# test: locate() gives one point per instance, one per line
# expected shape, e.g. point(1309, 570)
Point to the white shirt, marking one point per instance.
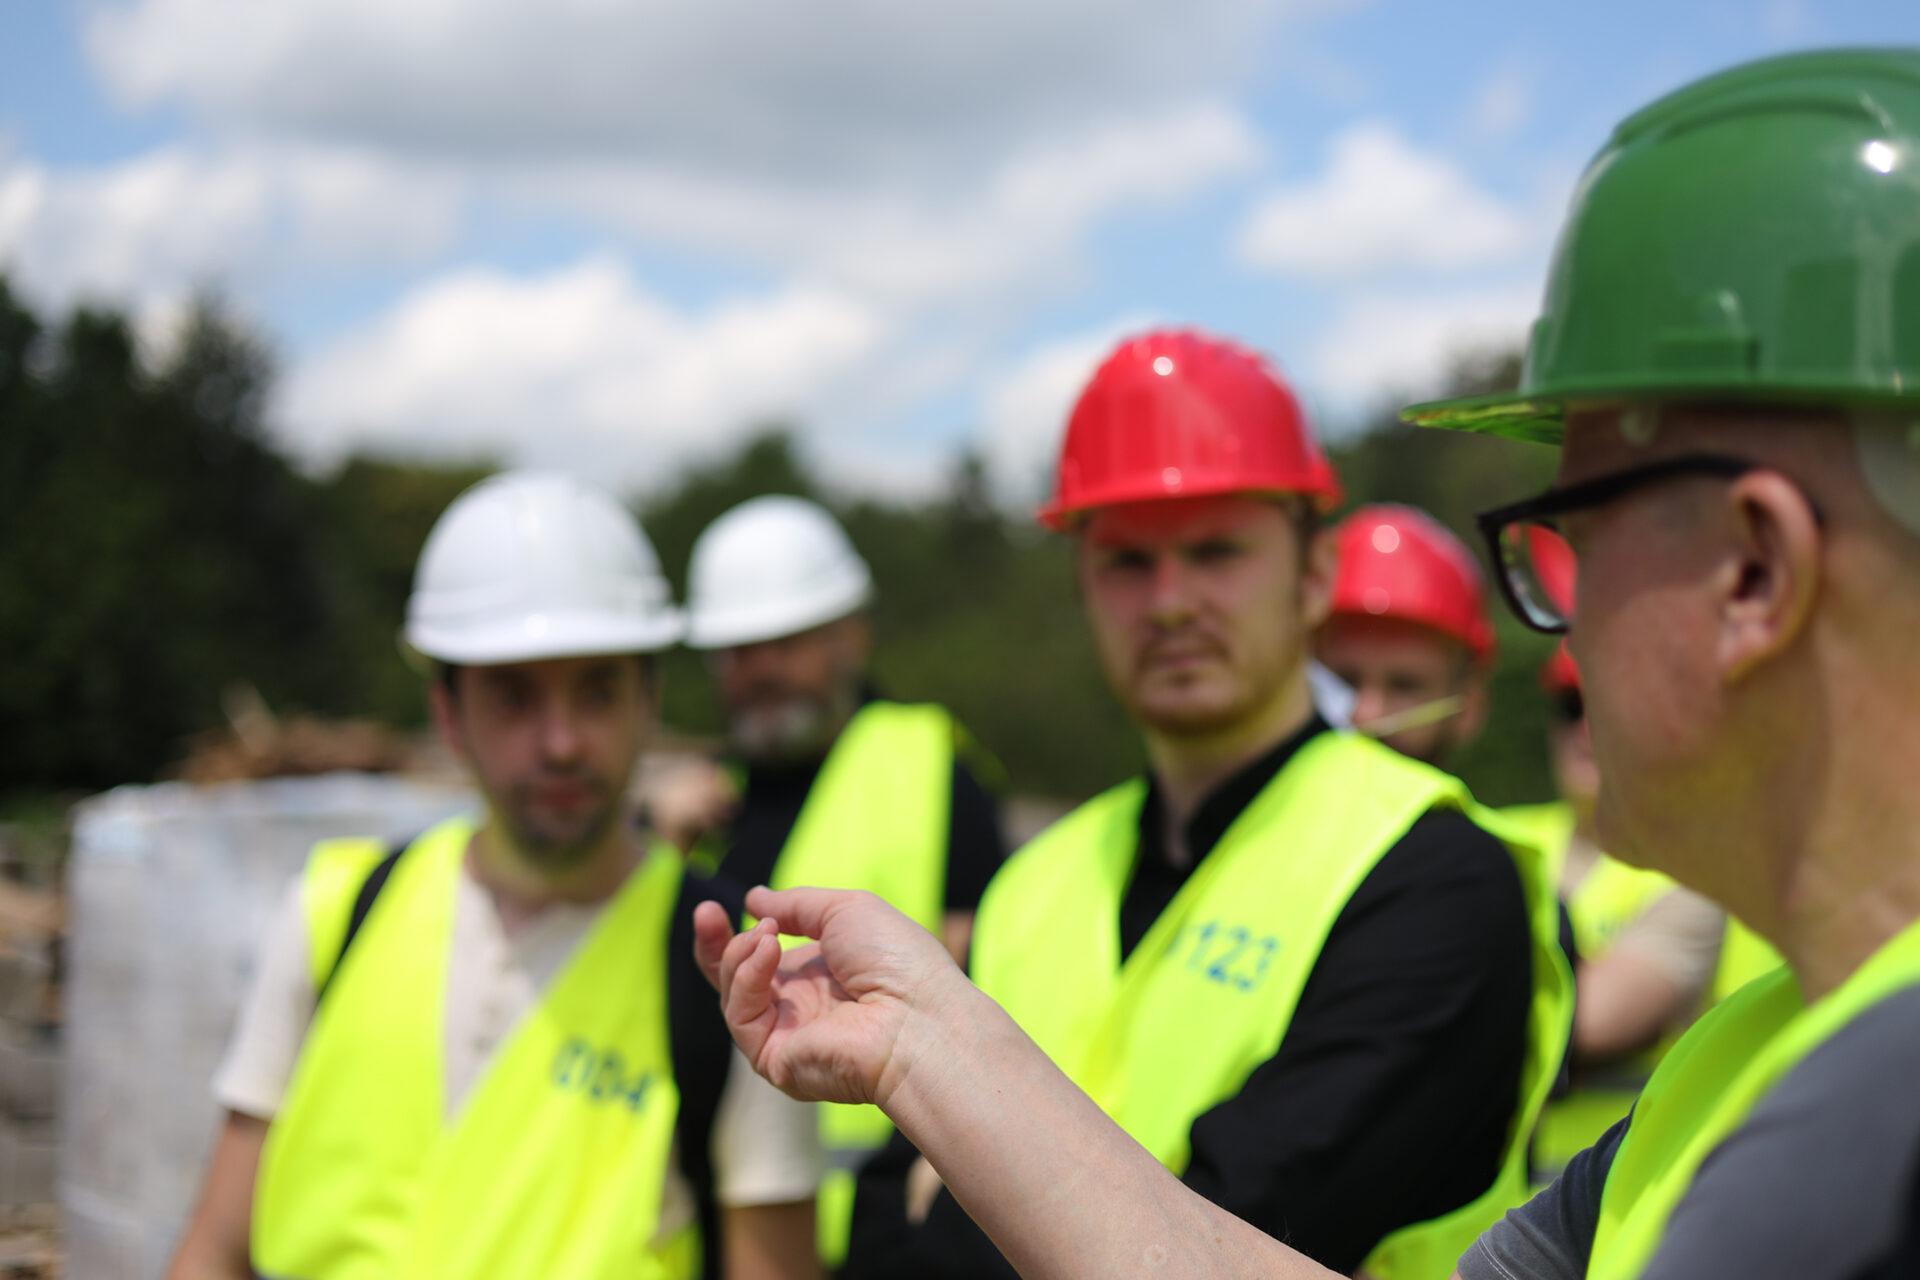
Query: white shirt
point(766, 1147)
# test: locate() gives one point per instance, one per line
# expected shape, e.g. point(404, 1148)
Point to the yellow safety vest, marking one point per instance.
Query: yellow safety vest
point(1708, 1085)
point(1744, 956)
point(1611, 896)
point(876, 818)
point(556, 1162)
point(1206, 996)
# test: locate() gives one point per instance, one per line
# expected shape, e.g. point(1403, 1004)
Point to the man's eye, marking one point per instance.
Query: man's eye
point(1215, 551)
point(1128, 562)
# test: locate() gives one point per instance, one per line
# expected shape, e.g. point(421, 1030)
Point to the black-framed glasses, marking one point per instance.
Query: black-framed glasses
point(1530, 556)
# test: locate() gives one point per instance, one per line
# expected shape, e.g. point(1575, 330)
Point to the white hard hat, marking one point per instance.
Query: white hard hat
point(771, 567)
point(529, 565)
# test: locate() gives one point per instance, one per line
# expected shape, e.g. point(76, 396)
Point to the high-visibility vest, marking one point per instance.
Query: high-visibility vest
point(555, 1163)
point(876, 818)
point(1611, 896)
point(1205, 998)
point(1711, 1081)
point(1744, 956)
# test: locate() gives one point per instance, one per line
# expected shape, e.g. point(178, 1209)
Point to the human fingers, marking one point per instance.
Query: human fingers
point(712, 931)
point(746, 978)
point(804, 912)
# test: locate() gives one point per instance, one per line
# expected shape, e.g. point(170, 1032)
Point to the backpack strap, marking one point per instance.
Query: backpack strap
point(362, 904)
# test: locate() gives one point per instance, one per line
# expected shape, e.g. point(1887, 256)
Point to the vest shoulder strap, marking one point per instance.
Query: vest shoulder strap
point(362, 904)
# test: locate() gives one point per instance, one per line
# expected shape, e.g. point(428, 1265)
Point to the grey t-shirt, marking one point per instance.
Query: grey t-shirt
point(1816, 1185)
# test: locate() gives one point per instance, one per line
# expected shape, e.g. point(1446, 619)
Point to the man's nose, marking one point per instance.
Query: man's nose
point(1369, 702)
point(560, 731)
point(1171, 590)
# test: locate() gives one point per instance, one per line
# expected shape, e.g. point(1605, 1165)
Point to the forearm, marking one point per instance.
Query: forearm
point(214, 1245)
point(770, 1242)
point(1061, 1189)
point(1625, 1002)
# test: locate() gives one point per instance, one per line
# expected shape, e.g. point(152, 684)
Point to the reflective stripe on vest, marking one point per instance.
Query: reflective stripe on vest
point(1711, 1082)
point(556, 1162)
point(876, 818)
point(1206, 996)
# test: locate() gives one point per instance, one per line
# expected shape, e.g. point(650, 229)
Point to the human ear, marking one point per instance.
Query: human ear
point(857, 637)
point(1473, 711)
point(1317, 569)
point(1766, 582)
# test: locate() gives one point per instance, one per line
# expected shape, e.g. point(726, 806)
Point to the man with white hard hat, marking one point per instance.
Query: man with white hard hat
point(840, 787)
point(485, 1053)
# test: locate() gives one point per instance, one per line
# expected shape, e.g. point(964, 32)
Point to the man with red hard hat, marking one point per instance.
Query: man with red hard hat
point(1292, 963)
point(1408, 631)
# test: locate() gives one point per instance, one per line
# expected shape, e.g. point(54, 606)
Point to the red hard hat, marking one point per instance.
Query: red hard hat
point(1398, 562)
point(1181, 414)
point(1553, 558)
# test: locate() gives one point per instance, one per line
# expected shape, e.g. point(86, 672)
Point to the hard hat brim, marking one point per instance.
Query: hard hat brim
point(712, 629)
point(539, 638)
point(1063, 517)
point(1540, 416)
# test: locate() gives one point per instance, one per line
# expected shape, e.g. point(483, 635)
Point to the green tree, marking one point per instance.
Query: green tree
point(374, 516)
point(156, 547)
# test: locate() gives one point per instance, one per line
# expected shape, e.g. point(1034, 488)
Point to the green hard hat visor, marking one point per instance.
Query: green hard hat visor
point(1541, 418)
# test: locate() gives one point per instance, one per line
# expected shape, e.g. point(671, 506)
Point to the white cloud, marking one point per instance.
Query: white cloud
point(1383, 343)
point(182, 217)
point(1504, 100)
point(583, 369)
point(1021, 226)
point(838, 87)
point(1383, 205)
point(1024, 407)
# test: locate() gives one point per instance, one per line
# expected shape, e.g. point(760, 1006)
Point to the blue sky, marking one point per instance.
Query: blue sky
point(612, 237)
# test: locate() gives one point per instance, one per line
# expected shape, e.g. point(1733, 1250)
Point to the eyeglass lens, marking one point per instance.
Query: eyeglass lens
point(1538, 565)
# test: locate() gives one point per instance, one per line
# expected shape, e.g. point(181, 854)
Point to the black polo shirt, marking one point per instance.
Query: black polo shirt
point(1389, 1098)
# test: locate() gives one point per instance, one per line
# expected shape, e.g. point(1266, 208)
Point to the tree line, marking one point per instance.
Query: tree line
point(155, 548)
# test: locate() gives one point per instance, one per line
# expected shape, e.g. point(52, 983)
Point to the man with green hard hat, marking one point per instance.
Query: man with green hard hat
point(1729, 356)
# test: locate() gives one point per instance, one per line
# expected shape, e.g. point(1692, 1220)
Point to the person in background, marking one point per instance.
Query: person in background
point(1408, 632)
point(829, 783)
point(1286, 959)
point(488, 1052)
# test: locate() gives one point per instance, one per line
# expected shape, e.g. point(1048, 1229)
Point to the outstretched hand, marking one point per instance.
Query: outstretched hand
point(829, 1021)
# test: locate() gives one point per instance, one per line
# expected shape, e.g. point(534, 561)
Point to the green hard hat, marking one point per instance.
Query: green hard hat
point(1752, 236)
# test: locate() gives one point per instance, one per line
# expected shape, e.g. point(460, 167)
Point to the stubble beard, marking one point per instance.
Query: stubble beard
point(796, 727)
point(545, 846)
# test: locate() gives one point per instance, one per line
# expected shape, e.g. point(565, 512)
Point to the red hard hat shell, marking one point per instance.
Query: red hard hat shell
point(1399, 562)
point(1181, 414)
point(1554, 560)
point(1560, 672)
